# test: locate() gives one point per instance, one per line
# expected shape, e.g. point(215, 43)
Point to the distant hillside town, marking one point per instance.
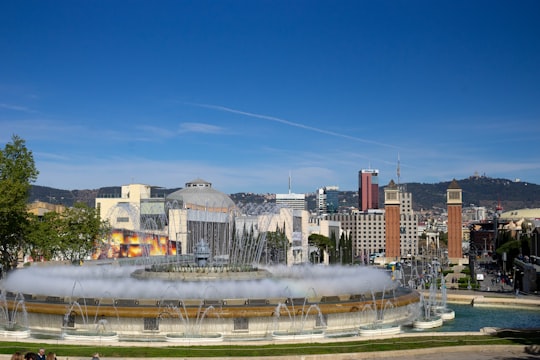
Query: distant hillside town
point(461, 222)
point(478, 191)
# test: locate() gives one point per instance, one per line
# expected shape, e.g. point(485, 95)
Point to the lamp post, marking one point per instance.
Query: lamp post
point(472, 259)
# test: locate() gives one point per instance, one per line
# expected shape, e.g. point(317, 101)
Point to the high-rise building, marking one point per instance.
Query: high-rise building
point(327, 200)
point(366, 229)
point(368, 189)
point(454, 207)
point(291, 200)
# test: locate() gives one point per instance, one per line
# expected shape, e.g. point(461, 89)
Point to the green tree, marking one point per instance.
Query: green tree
point(43, 237)
point(443, 239)
point(323, 243)
point(345, 249)
point(17, 172)
point(277, 245)
point(71, 235)
point(80, 229)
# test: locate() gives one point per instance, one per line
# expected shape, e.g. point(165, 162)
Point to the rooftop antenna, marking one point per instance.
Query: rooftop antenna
point(499, 208)
point(290, 182)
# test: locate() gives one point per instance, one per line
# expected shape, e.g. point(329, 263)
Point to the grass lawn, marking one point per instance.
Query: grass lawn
point(256, 350)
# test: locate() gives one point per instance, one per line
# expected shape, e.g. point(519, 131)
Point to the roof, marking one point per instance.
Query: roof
point(454, 185)
point(521, 214)
point(200, 194)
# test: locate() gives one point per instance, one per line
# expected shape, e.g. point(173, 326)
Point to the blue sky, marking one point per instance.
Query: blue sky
point(244, 93)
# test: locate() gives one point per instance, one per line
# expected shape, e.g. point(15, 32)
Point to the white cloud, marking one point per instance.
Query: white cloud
point(16, 108)
point(199, 128)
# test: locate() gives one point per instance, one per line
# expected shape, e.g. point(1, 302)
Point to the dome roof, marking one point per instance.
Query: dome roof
point(521, 214)
point(199, 194)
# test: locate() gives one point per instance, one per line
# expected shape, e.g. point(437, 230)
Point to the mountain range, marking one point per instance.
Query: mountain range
point(477, 191)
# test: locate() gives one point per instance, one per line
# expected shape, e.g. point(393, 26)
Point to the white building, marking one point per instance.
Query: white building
point(292, 201)
point(198, 212)
point(134, 208)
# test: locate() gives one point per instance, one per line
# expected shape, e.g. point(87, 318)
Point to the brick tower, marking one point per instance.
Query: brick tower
point(391, 220)
point(453, 203)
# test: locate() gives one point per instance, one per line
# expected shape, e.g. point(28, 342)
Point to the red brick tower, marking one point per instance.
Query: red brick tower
point(391, 220)
point(453, 203)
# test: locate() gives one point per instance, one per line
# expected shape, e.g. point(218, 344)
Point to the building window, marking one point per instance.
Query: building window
point(241, 324)
point(151, 324)
point(122, 219)
point(453, 195)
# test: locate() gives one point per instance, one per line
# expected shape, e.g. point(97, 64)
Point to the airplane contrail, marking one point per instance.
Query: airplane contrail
point(290, 123)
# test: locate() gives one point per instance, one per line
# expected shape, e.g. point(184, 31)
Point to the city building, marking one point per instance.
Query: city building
point(134, 208)
point(368, 189)
point(482, 238)
point(200, 212)
point(327, 200)
point(369, 230)
point(147, 222)
point(408, 225)
point(40, 208)
point(292, 201)
point(474, 213)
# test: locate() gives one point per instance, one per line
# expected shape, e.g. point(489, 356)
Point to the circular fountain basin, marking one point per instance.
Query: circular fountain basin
point(297, 334)
point(421, 324)
point(15, 333)
point(84, 335)
point(444, 312)
point(183, 338)
point(239, 307)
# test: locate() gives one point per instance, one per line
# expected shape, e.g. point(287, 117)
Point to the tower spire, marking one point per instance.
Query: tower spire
point(290, 180)
point(398, 170)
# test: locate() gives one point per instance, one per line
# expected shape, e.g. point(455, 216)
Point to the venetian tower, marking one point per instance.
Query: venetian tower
point(391, 220)
point(453, 203)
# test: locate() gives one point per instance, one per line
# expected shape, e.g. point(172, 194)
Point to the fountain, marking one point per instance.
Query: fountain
point(199, 305)
point(428, 319)
point(297, 317)
point(208, 274)
point(379, 325)
point(191, 326)
point(14, 319)
point(96, 330)
point(441, 309)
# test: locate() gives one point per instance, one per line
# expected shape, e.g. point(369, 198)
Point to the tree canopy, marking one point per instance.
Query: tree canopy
point(17, 172)
point(70, 235)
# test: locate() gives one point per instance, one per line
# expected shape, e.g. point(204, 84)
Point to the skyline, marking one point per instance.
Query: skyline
point(244, 94)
